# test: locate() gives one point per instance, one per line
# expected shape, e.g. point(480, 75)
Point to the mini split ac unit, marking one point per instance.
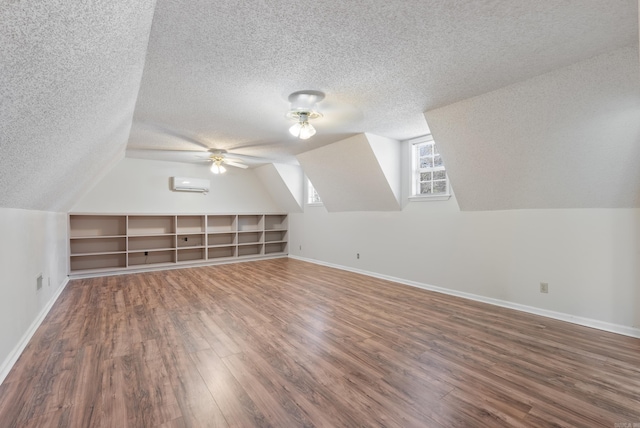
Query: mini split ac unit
point(185, 184)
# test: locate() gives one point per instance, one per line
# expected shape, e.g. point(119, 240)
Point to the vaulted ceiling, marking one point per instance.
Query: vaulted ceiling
point(521, 96)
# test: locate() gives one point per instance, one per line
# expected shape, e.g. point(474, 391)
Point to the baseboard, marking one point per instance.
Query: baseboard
point(586, 322)
point(8, 363)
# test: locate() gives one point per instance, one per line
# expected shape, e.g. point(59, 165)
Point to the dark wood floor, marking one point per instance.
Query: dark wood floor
point(285, 343)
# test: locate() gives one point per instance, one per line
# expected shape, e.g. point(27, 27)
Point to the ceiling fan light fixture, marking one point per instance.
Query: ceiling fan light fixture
point(217, 168)
point(303, 129)
point(302, 110)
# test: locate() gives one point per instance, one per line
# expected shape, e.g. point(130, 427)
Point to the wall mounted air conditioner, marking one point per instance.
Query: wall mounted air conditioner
point(185, 184)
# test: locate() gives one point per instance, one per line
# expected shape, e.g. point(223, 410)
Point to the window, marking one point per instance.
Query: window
point(312, 195)
point(429, 175)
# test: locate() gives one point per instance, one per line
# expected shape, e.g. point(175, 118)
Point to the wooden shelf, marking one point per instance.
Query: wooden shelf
point(144, 243)
point(249, 237)
point(191, 240)
point(249, 250)
point(217, 239)
point(250, 223)
point(275, 247)
point(99, 225)
point(87, 245)
point(151, 225)
point(151, 257)
point(98, 261)
point(190, 224)
point(191, 254)
point(275, 222)
point(221, 252)
point(221, 223)
point(275, 235)
point(102, 243)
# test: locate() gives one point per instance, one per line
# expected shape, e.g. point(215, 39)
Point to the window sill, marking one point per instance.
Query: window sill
point(425, 198)
point(314, 204)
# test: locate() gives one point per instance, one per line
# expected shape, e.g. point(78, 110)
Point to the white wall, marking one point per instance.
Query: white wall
point(589, 257)
point(285, 184)
point(142, 186)
point(534, 144)
point(33, 243)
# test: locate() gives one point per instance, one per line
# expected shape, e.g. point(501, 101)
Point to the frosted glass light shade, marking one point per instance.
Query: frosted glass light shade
point(217, 168)
point(302, 130)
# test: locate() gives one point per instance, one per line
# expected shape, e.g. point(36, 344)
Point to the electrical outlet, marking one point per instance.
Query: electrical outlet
point(39, 282)
point(358, 256)
point(300, 247)
point(544, 287)
point(146, 253)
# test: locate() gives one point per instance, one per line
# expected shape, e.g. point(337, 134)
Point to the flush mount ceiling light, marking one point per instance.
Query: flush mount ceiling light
point(302, 110)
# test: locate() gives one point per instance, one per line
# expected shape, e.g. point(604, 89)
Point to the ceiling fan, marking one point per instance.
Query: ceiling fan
point(201, 151)
point(218, 157)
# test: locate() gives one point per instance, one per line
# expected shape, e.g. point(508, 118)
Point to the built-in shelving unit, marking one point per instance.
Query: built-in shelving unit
point(104, 243)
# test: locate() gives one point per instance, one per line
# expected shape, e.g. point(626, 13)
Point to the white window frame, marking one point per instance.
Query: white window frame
point(312, 193)
point(414, 145)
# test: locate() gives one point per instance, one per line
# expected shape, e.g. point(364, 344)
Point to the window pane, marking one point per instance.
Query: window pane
point(425, 188)
point(439, 186)
point(426, 163)
point(313, 197)
point(429, 174)
point(439, 175)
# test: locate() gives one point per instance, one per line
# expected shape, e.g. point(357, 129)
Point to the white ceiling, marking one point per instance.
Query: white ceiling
point(220, 72)
point(217, 74)
point(69, 77)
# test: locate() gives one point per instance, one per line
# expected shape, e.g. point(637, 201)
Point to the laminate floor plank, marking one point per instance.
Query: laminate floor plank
point(197, 406)
point(235, 404)
point(300, 375)
point(220, 342)
point(286, 343)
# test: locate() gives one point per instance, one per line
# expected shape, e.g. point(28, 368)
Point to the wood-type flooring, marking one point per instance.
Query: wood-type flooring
point(285, 343)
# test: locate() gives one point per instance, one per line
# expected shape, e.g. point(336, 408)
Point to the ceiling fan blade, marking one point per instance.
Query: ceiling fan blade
point(236, 164)
point(151, 149)
point(250, 158)
point(187, 156)
point(232, 159)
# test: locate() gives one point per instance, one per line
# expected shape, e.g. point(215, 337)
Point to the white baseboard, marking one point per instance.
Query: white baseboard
point(13, 356)
point(587, 322)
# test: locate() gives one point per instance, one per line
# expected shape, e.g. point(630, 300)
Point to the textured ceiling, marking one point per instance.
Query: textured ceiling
point(193, 74)
point(69, 77)
point(218, 74)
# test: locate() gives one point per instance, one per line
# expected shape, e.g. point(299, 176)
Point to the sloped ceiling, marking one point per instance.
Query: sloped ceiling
point(69, 76)
point(285, 185)
point(349, 177)
point(569, 138)
point(218, 73)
